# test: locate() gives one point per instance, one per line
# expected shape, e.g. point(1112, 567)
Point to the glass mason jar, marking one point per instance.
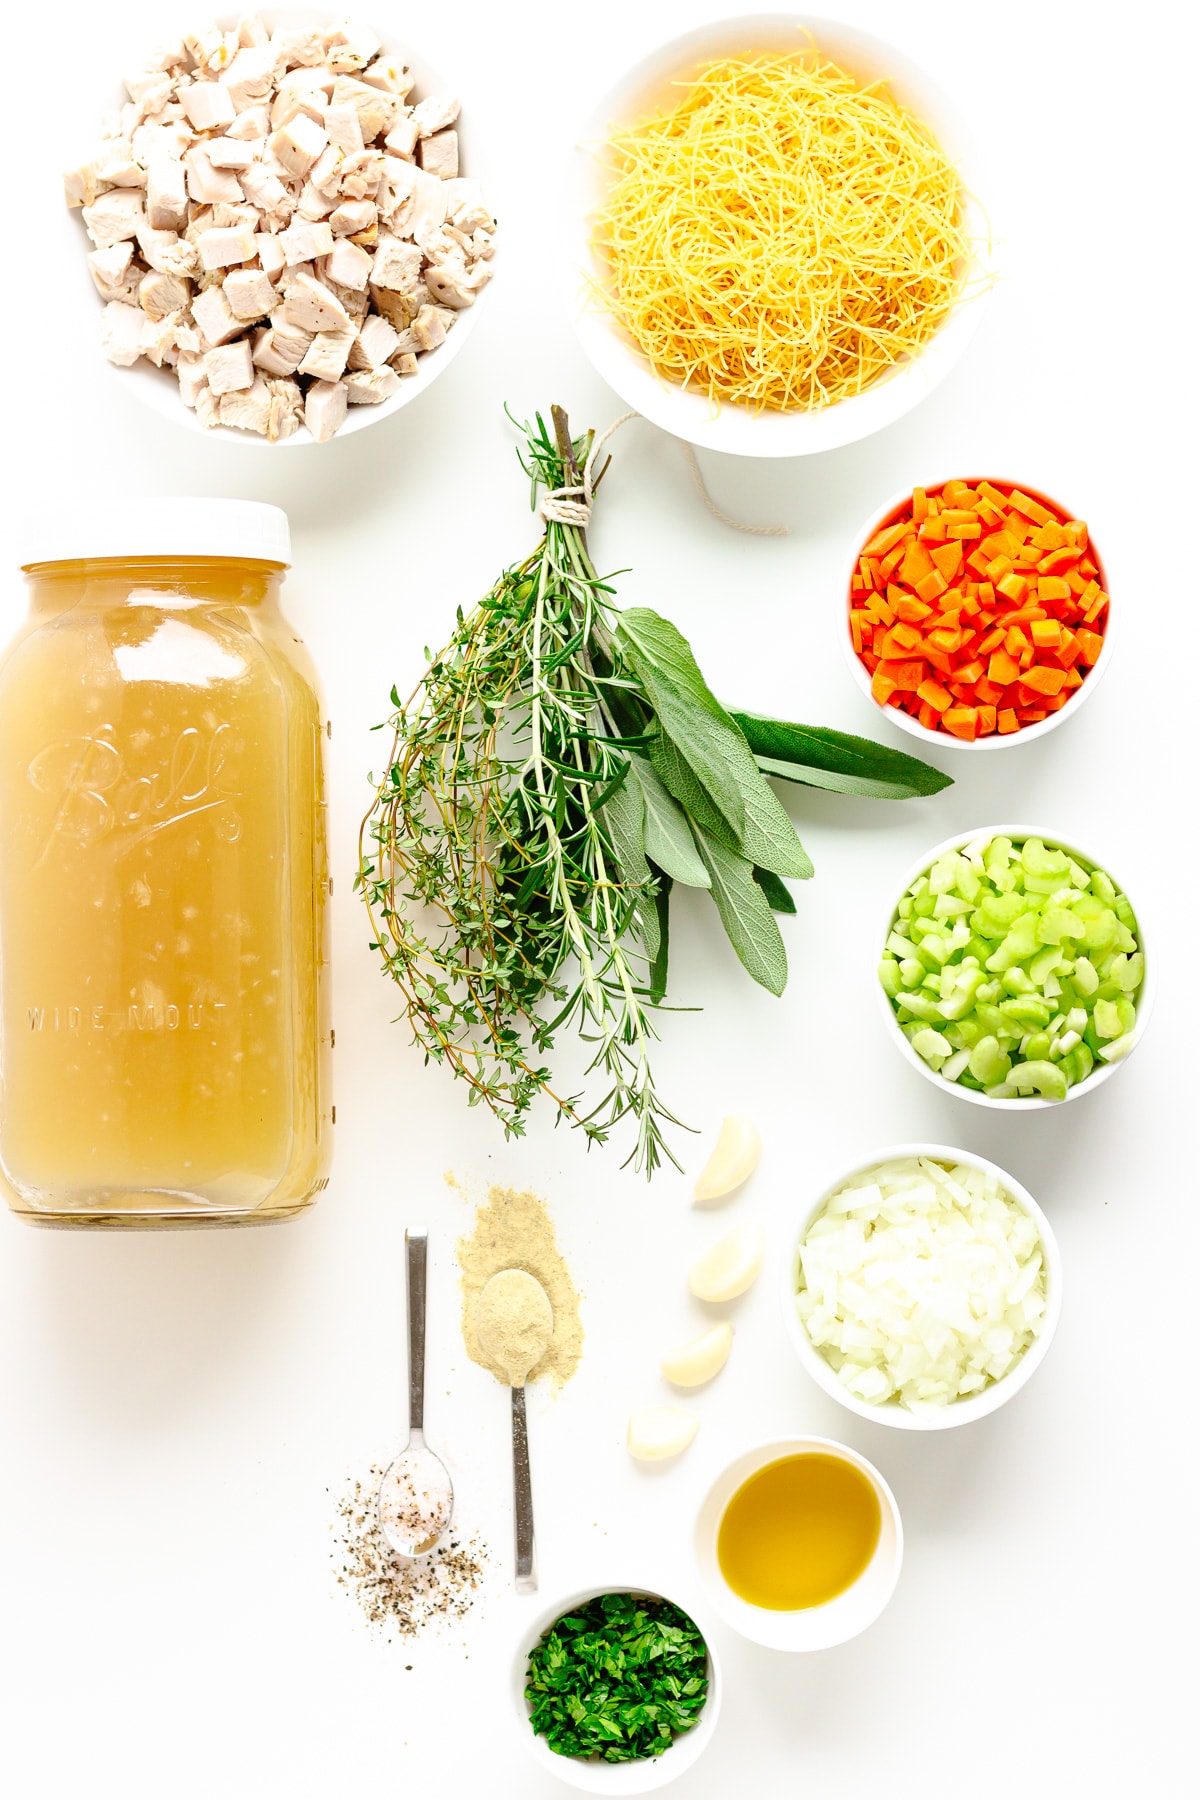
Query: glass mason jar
point(163, 880)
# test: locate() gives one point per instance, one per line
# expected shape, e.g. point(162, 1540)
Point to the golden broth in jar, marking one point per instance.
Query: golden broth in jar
point(162, 897)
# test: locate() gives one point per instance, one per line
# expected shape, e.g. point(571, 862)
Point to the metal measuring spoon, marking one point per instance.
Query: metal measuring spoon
point(518, 1358)
point(416, 1495)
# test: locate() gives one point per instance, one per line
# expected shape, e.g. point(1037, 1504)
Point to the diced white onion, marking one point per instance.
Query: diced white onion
point(921, 1283)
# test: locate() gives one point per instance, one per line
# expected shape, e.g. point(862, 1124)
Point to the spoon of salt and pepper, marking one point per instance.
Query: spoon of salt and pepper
point(416, 1495)
point(515, 1322)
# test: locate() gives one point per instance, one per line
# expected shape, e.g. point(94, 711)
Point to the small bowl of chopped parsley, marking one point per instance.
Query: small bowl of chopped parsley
point(616, 1690)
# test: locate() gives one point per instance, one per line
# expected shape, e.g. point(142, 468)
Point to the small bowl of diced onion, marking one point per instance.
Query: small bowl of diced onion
point(1013, 970)
point(923, 1287)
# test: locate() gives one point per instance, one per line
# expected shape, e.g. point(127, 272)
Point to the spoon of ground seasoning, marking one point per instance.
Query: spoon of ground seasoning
point(416, 1495)
point(515, 1322)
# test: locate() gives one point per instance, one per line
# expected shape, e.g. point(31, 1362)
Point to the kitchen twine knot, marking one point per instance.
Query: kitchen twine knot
point(573, 505)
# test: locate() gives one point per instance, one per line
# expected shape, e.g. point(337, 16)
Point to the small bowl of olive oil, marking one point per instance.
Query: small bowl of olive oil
point(800, 1543)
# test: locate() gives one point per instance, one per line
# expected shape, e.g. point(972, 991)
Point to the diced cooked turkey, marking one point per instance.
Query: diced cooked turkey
point(325, 409)
point(273, 220)
point(367, 387)
point(249, 409)
point(208, 105)
point(160, 294)
point(121, 329)
point(229, 367)
point(439, 154)
point(326, 356)
point(250, 293)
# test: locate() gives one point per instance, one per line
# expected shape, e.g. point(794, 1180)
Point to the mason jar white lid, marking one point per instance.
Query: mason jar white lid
point(119, 530)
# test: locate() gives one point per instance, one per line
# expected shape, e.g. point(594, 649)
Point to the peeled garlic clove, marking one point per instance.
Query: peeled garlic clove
point(731, 1266)
point(734, 1160)
point(658, 1432)
point(700, 1360)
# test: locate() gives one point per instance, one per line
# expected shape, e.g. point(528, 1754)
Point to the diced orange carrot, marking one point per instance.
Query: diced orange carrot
point(1012, 587)
point(931, 585)
point(971, 528)
point(993, 494)
point(1031, 715)
point(932, 530)
point(916, 564)
point(1006, 721)
point(928, 717)
point(987, 721)
point(1050, 536)
point(1046, 634)
point(1043, 680)
point(1002, 669)
point(920, 505)
point(1032, 509)
point(907, 676)
point(887, 539)
point(1090, 645)
point(969, 672)
point(891, 562)
point(948, 559)
point(988, 692)
point(882, 686)
point(963, 721)
point(1058, 560)
point(1052, 587)
point(934, 694)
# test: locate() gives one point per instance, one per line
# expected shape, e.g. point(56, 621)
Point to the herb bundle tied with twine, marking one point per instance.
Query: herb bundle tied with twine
point(558, 767)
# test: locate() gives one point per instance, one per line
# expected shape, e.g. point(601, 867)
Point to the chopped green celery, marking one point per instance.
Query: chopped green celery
point(988, 1063)
point(1020, 943)
point(1085, 977)
point(904, 910)
point(1040, 862)
point(931, 1047)
point(920, 1005)
point(956, 1004)
point(1119, 1047)
point(966, 1079)
point(1107, 1019)
point(1038, 1018)
point(1026, 1009)
point(1125, 913)
point(1058, 923)
point(1044, 965)
point(1044, 1078)
point(950, 906)
point(993, 916)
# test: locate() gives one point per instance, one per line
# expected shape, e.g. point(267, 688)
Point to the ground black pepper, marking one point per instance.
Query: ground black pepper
point(404, 1598)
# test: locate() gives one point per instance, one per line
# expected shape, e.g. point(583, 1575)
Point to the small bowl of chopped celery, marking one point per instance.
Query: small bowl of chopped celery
point(627, 1732)
point(923, 1288)
point(1014, 970)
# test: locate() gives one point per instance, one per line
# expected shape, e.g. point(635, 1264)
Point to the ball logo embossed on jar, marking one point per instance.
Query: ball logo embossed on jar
point(99, 790)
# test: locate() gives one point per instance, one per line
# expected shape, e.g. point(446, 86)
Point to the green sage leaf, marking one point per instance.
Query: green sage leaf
point(687, 711)
point(779, 897)
point(811, 751)
point(668, 839)
point(624, 814)
point(746, 915)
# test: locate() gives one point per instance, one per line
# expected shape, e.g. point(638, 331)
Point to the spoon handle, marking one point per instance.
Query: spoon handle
point(416, 1244)
point(522, 1496)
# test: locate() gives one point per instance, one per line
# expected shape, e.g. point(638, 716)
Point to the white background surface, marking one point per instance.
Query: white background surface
point(176, 1408)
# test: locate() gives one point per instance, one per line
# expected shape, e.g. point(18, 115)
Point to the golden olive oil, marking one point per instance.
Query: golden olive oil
point(799, 1532)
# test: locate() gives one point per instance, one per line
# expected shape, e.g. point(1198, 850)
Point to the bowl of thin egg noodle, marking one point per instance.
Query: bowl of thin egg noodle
point(775, 244)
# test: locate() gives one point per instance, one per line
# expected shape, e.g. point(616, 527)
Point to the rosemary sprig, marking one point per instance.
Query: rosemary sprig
point(559, 764)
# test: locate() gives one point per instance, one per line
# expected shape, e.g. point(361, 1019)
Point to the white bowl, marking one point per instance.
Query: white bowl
point(594, 1777)
point(959, 1412)
point(158, 388)
point(1102, 1072)
point(813, 1627)
point(946, 740)
point(736, 429)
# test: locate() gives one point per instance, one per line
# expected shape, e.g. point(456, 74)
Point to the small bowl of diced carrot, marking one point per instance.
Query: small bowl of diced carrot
point(978, 613)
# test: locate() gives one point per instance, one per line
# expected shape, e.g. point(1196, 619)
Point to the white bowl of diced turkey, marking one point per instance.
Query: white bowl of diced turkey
point(287, 235)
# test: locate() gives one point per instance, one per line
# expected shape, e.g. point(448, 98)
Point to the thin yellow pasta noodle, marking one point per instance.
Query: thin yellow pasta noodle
point(783, 237)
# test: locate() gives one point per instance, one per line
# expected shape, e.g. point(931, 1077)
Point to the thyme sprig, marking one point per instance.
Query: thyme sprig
point(558, 766)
